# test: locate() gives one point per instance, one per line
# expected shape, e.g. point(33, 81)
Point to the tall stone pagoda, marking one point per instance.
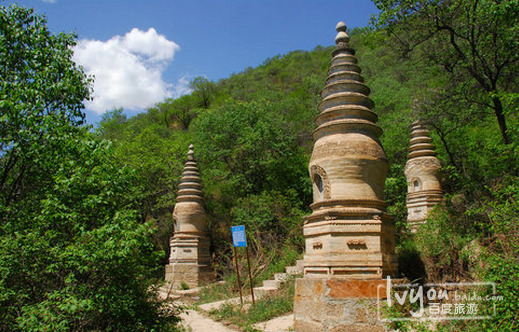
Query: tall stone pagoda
point(349, 233)
point(422, 173)
point(190, 261)
point(350, 238)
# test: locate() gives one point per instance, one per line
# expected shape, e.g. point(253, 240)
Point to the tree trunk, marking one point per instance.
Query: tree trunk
point(498, 110)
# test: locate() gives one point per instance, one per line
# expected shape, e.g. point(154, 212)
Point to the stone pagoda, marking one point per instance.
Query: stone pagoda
point(350, 238)
point(190, 261)
point(349, 233)
point(422, 173)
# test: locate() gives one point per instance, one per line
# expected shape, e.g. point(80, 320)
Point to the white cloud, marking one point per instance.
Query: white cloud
point(127, 69)
point(49, 1)
point(182, 87)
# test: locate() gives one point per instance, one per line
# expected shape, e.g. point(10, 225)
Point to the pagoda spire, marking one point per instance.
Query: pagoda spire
point(420, 144)
point(190, 187)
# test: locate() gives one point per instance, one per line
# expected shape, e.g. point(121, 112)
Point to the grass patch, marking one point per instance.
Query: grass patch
point(273, 305)
point(217, 292)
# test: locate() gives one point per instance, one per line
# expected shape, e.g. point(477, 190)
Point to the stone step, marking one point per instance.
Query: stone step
point(280, 277)
point(216, 305)
point(293, 270)
point(277, 324)
point(272, 283)
point(259, 292)
point(300, 263)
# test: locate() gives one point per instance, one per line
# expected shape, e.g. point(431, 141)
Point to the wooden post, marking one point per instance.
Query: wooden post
point(250, 276)
point(238, 273)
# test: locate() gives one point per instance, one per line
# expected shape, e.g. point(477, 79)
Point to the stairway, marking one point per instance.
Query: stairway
point(279, 278)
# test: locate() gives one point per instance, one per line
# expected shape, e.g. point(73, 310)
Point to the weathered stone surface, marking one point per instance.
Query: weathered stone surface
point(190, 261)
point(422, 174)
point(349, 233)
point(330, 305)
point(307, 326)
point(359, 289)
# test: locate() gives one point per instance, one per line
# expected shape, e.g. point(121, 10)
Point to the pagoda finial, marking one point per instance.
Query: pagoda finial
point(342, 36)
point(340, 26)
point(191, 153)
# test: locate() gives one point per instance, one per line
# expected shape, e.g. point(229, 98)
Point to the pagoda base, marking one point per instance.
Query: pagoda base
point(192, 275)
point(189, 262)
point(339, 305)
point(349, 244)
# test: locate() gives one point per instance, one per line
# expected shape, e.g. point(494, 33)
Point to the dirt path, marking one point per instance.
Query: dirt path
point(191, 319)
point(278, 324)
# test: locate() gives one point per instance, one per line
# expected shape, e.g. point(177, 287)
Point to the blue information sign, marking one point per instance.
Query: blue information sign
point(238, 236)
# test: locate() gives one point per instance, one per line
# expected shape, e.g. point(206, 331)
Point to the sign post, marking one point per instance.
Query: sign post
point(240, 240)
point(250, 276)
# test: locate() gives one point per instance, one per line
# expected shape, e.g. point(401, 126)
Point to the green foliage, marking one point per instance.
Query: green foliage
point(156, 154)
point(83, 261)
point(218, 291)
point(247, 145)
point(269, 218)
point(41, 92)
point(441, 242)
point(254, 173)
point(501, 255)
point(395, 192)
point(73, 256)
point(112, 124)
point(474, 41)
point(496, 257)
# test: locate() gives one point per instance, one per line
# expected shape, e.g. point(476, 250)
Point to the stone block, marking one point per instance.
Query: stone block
point(330, 304)
point(359, 289)
point(312, 288)
point(306, 326)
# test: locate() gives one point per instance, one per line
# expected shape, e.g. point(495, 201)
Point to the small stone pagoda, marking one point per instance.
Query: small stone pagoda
point(349, 233)
point(350, 238)
point(190, 261)
point(422, 173)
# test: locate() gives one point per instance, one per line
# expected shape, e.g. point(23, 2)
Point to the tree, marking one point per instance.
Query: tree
point(203, 90)
point(73, 255)
point(181, 110)
point(112, 124)
point(41, 94)
point(475, 41)
point(246, 147)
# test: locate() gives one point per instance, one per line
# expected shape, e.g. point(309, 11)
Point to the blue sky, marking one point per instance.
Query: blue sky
point(144, 51)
